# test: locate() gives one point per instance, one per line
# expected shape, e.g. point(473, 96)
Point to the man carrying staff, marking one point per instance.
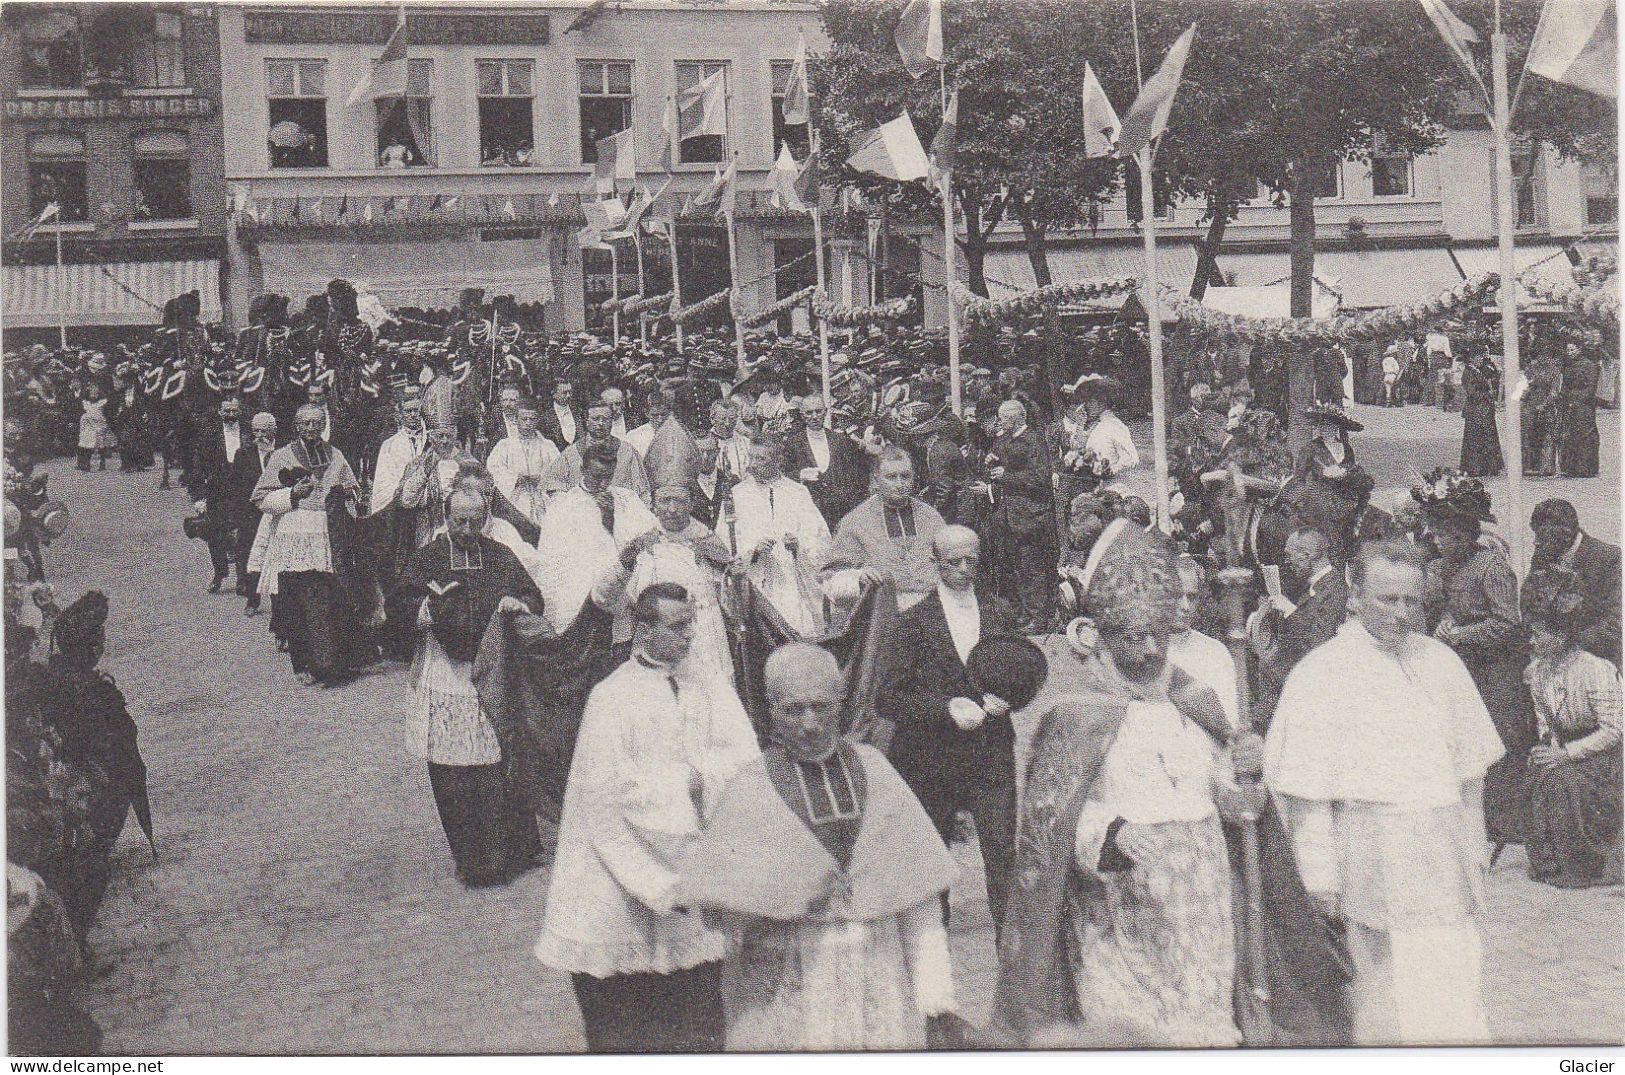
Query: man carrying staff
point(1377, 756)
point(449, 592)
point(658, 743)
point(302, 485)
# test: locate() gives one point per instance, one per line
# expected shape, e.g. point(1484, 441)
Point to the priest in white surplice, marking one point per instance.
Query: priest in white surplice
point(582, 534)
point(658, 742)
point(1376, 757)
point(397, 453)
point(518, 461)
point(780, 533)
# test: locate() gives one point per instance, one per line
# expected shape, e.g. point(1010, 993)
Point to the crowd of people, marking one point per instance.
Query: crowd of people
point(739, 659)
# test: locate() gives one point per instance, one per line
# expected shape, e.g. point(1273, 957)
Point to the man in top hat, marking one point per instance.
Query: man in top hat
point(564, 472)
point(224, 508)
point(887, 538)
point(1023, 534)
point(832, 466)
point(1284, 633)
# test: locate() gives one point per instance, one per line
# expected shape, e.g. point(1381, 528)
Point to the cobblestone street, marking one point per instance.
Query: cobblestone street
point(303, 898)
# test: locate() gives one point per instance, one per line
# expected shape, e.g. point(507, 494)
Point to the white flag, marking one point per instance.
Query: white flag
point(893, 151)
point(1100, 123)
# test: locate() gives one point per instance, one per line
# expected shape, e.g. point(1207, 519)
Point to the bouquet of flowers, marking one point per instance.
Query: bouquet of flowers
point(1084, 463)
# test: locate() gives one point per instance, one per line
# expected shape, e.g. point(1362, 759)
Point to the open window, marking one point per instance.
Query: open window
point(783, 132)
point(406, 124)
point(296, 91)
point(56, 173)
point(52, 54)
point(605, 103)
point(705, 148)
point(506, 105)
point(163, 176)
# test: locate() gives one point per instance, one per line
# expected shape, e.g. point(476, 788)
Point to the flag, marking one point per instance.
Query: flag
point(1457, 35)
point(1149, 113)
point(703, 109)
point(633, 217)
point(668, 136)
point(590, 238)
point(783, 181)
point(508, 209)
point(892, 151)
point(1100, 123)
point(387, 76)
point(553, 200)
point(615, 161)
point(942, 143)
point(48, 213)
point(806, 186)
point(1577, 44)
point(587, 17)
point(796, 110)
point(252, 209)
point(919, 36)
point(366, 212)
point(721, 192)
point(603, 214)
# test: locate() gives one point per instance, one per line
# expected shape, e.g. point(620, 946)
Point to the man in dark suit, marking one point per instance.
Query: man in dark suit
point(833, 466)
point(208, 480)
point(954, 746)
point(1559, 542)
point(1281, 641)
point(1022, 527)
point(560, 421)
point(245, 474)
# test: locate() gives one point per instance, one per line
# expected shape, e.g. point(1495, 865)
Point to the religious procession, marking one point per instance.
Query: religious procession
point(1103, 665)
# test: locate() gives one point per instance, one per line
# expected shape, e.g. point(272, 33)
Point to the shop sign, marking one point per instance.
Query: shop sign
point(107, 107)
point(374, 28)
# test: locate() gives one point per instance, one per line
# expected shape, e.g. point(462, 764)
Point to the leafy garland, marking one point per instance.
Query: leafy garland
point(1368, 325)
point(991, 311)
point(857, 316)
point(633, 305)
point(702, 308)
point(1595, 303)
point(784, 305)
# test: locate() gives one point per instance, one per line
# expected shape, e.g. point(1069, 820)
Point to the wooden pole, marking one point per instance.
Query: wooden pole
point(643, 293)
point(676, 277)
point(1153, 313)
point(733, 286)
point(955, 395)
point(1257, 1027)
point(615, 290)
point(1505, 222)
point(823, 329)
point(61, 289)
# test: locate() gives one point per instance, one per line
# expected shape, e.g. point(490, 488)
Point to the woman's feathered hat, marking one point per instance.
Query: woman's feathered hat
point(1447, 493)
point(1323, 411)
point(1554, 597)
point(81, 624)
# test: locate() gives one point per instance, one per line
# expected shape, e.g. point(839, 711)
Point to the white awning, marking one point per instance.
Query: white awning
point(1544, 261)
point(118, 293)
point(424, 274)
point(1009, 271)
point(1362, 279)
point(1267, 300)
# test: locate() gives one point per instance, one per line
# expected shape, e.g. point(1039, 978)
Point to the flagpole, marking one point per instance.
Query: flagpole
point(955, 395)
point(823, 328)
point(1505, 225)
point(61, 289)
point(676, 279)
point(1153, 304)
point(615, 290)
point(643, 321)
point(733, 287)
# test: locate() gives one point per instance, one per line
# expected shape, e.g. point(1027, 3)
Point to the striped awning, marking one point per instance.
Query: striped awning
point(116, 293)
point(1009, 272)
point(426, 274)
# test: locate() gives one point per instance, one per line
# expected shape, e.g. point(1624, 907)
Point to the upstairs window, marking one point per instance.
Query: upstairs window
point(605, 103)
point(1390, 172)
point(297, 95)
point(52, 50)
point(1601, 185)
point(796, 136)
point(709, 148)
point(507, 132)
point(405, 125)
point(56, 173)
point(160, 165)
point(159, 60)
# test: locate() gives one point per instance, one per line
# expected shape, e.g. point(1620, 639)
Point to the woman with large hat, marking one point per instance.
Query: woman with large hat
point(1574, 836)
point(1330, 488)
point(1473, 605)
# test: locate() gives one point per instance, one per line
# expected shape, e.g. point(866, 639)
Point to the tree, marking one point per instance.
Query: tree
point(1019, 68)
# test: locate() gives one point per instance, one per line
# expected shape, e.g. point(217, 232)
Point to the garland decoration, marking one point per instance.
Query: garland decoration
point(1344, 328)
point(783, 306)
point(1596, 303)
point(705, 306)
point(633, 305)
point(999, 311)
point(858, 316)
